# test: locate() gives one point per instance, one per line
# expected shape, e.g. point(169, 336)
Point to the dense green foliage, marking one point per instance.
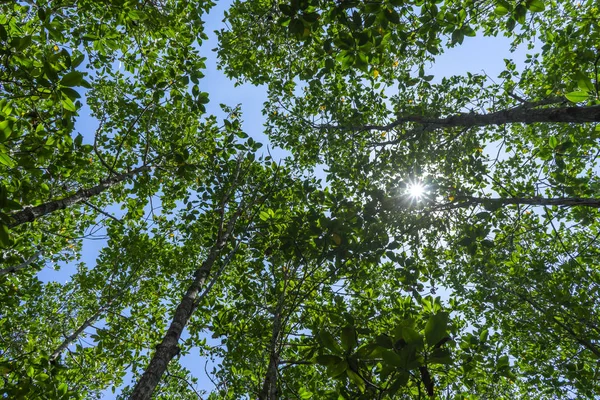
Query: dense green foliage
point(275, 283)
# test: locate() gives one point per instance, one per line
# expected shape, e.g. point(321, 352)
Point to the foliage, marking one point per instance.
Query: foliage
point(280, 284)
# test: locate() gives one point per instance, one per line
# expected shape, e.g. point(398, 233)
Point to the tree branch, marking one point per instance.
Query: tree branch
point(30, 214)
point(525, 114)
point(465, 201)
point(21, 266)
point(100, 211)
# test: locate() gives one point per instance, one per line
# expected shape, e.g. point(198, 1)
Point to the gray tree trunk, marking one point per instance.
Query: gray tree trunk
point(269, 389)
point(169, 347)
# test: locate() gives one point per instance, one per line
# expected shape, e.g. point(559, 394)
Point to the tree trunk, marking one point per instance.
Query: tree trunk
point(69, 339)
point(30, 214)
point(169, 347)
point(269, 389)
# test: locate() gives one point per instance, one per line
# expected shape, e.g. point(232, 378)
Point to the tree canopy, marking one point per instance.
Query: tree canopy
point(450, 251)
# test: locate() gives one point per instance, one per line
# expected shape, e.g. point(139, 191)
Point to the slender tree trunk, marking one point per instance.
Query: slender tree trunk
point(86, 324)
point(169, 347)
point(21, 266)
point(269, 389)
point(30, 214)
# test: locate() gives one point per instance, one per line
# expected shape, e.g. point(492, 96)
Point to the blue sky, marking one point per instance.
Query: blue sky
point(476, 54)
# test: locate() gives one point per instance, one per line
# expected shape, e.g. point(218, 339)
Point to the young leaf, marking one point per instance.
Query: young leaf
point(535, 5)
point(73, 78)
point(577, 96)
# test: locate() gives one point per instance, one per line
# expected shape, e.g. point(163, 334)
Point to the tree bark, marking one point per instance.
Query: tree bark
point(577, 115)
point(269, 389)
point(464, 201)
point(523, 114)
point(30, 214)
point(169, 347)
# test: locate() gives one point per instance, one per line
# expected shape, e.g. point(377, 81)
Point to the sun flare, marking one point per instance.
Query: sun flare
point(416, 190)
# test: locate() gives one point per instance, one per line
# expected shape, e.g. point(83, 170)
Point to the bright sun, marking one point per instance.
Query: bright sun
point(415, 190)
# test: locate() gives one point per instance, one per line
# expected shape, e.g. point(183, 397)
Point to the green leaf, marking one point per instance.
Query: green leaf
point(411, 336)
point(535, 5)
point(4, 235)
point(483, 336)
point(305, 394)
point(286, 9)
point(62, 389)
point(400, 382)
point(440, 356)
point(390, 357)
point(458, 36)
point(70, 93)
point(68, 104)
point(75, 62)
point(73, 78)
point(296, 27)
point(520, 14)
point(409, 357)
point(329, 342)
point(502, 362)
point(310, 17)
point(501, 9)
point(436, 328)
point(6, 160)
point(392, 16)
point(328, 359)
point(552, 142)
point(584, 82)
point(577, 96)
point(337, 369)
point(358, 381)
point(468, 31)
point(368, 351)
point(5, 130)
point(348, 338)
point(384, 341)
point(136, 15)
